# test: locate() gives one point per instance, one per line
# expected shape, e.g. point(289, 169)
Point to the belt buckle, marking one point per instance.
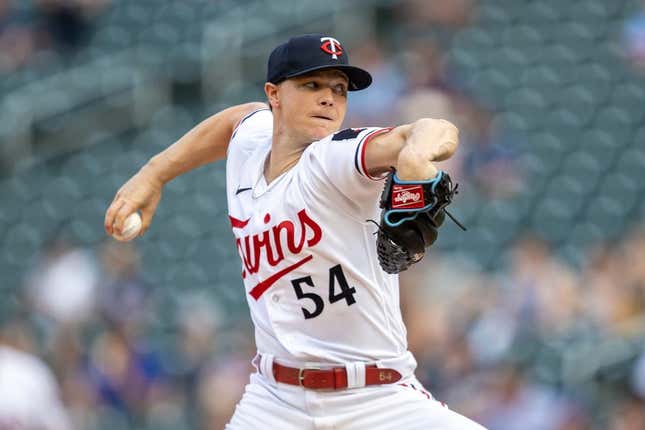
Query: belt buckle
point(301, 376)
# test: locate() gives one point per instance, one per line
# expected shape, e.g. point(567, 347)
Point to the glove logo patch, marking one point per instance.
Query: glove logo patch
point(407, 197)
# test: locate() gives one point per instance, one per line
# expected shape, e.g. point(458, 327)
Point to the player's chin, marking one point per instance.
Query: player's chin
point(323, 130)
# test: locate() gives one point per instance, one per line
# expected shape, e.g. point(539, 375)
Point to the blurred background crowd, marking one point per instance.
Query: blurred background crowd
point(533, 319)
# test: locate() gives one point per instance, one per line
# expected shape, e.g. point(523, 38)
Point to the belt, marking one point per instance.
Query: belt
point(334, 378)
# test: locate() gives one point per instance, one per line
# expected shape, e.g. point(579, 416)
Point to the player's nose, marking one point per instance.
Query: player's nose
point(326, 97)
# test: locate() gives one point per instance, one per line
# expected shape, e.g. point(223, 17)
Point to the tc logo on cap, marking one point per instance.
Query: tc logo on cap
point(331, 46)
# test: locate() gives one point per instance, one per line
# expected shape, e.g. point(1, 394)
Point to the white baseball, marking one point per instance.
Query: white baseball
point(131, 228)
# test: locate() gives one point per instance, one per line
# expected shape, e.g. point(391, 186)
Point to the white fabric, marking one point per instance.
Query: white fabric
point(65, 288)
point(325, 199)
point(266, 367)
point(382, 407)
point(316, 293)
point(355, 375)
point(28, 393)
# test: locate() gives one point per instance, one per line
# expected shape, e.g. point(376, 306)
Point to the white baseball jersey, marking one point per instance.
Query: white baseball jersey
point(316, 292)
point(313, 283)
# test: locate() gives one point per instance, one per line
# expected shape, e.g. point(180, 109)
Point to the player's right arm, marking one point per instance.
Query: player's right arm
point(412, 149)
point(205, 143)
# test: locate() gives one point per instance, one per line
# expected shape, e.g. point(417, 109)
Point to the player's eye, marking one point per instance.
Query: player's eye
point(340, 90)
point(312, 85)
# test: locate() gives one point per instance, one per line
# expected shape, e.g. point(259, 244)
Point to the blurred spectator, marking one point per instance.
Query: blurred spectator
point(126, 374)
point(634, 40)
point(437, 336)
point(17, 40)
point(611, 276)
point(450, 13)
point(222, 382)
point(62, 285)
point(198, 336)
point(542, 291)
point(374, 108)
point(123, 296)
point(124, 370)
point(221, 387)
point(29, 397)
point(486, 157)
point(26, 29)
point(638, 376)
point(66, 23)
point(516, 403)
point(629, 415)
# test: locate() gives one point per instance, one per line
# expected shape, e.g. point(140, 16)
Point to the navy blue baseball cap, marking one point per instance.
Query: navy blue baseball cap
point(309, 52)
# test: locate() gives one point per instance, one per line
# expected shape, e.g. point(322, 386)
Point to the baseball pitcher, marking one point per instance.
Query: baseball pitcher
point(324, 220)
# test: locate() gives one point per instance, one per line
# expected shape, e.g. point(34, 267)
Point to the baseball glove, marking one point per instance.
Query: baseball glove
point(412, 212)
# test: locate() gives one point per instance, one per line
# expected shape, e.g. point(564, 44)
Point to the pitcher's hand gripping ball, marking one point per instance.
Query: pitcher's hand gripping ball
point(412, 213)
point(131, 228)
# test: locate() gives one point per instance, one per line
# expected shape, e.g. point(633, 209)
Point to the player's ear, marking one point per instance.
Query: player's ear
point(271, 91)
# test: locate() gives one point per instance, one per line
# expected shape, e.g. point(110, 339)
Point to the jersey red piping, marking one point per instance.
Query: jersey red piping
point(365, 142)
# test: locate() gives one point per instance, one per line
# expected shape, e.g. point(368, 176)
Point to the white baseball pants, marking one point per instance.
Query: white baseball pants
point(403, 405)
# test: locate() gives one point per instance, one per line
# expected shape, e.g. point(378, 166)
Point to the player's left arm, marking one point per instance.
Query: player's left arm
point(412, 149)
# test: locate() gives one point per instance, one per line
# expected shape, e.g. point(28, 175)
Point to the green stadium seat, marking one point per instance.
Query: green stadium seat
point(621, 187)
point(21, 244)
point(500, 217)
point(108, 418)
point(584, 234)
point(526, 102)
point(128, 162)
point(513, 122)
point(583, 164)
point(569, 190)
point(541, 76)
point(616, 121)
point(597, 12)
point(603, 212)
point(12, 201)
point(577, 36)
point(88, 232)
point(174, 119)
point(179, 13)
point(573, 254)
point(630, 96)
point(115, 37)
point(558, 55)
point(639, 210)
point(229, 271)
point(105, 186)
point(539, 13)
point(553, 218)
point(631, 163)
point(183, 277)
point(601, 144)
point(568, 122)
point(82, 165)
point(91, 210)
point(45, 216)
point(577, 98)
point(493, 14)
point(155, 256)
